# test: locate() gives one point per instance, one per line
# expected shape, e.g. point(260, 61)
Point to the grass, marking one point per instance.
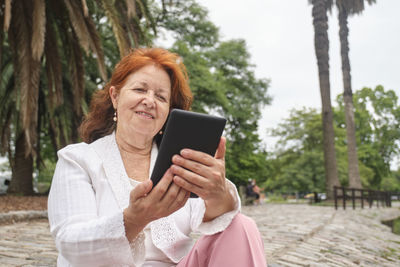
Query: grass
point(325, 204)
point(394, 224)
point(389, 254)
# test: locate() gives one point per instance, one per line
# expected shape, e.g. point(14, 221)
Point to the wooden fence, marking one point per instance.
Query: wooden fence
point(381, 198)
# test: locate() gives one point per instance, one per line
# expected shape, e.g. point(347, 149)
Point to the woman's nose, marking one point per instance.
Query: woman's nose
point(149, 99)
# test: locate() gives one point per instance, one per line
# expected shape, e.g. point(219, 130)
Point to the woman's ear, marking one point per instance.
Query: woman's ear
point(114, 96)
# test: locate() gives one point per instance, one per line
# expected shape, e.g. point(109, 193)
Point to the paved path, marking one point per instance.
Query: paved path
point(294, 235)
point(306, 235)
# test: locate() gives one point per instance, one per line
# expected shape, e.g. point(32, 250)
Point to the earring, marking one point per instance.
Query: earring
point(160, 132)
point(115, 116)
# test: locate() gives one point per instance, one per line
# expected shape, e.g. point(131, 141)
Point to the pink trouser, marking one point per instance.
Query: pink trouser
point(239, 245)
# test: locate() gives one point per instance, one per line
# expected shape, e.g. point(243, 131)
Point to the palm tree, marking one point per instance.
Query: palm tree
point(321, 43)
point(345, 9)
point(52, 46)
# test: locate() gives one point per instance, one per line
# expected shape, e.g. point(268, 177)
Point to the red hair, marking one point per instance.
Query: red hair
point(99, 121)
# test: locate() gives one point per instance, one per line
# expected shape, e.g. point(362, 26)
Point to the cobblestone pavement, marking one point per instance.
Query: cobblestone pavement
point(294, 235)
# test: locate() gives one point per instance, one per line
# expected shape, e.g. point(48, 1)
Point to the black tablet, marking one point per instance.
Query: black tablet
point(186, 129)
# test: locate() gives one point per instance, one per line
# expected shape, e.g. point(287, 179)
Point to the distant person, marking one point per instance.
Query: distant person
point(252, 190)
point(103, 209)
point(257, 190)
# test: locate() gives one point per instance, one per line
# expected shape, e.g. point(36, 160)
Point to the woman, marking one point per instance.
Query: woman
point(103, 209)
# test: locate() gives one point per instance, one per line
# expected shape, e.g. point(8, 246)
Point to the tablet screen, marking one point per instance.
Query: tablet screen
point(187, 129)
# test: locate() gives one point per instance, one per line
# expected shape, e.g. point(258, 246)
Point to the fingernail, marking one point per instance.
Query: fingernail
point(185, 152)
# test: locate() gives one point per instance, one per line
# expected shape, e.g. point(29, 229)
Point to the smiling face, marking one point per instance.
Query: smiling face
point(143, 103)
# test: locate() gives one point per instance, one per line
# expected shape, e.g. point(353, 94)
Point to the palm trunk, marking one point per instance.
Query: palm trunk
point(22, 169)
point(354, 174)
point(320, 22)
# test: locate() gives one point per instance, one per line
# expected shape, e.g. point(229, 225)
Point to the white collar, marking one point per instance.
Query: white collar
point(108, 151)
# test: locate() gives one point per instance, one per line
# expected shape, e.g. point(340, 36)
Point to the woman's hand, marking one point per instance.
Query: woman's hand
point(145, 206)
point(204, 175)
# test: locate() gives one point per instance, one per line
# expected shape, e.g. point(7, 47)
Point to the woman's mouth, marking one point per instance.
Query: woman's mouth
point(145, 114)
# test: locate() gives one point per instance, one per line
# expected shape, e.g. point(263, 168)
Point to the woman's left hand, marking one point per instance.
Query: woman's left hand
point(204, 175)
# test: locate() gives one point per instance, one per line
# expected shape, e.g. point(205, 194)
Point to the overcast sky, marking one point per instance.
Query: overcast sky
point(280, 39)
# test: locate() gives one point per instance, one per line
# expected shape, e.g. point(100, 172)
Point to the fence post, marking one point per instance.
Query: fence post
point(387, 199)
point(382, 198)
point(370, 198)
point(344, 197)
point(362, 198)
point(377, 198)
point(335, 196)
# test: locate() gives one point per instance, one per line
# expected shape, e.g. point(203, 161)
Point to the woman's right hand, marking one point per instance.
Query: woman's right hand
point(146, 205)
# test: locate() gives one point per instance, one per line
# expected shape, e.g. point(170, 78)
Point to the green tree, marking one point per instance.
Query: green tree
point(321, 43)
point(298, 162)
point(391, 182)
point(223, 81)
point(377, 117)
point(347, 8)
point(245, 96)
point(49, 46)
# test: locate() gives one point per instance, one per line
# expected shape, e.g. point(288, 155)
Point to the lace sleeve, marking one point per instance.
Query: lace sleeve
point(220, 223)
point(138, 249)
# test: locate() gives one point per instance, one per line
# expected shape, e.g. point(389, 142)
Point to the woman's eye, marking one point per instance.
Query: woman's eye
point(162, 98)
point(139, 90)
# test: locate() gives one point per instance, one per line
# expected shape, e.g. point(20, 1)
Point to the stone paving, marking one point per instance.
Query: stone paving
point(294, 235)
point(304, 235)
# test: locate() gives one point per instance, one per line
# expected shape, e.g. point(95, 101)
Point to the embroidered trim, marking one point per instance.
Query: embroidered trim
point(138, 249)
point(162, 232)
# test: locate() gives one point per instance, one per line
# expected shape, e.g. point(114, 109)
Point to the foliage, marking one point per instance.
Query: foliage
point(276, 197)
point(298, 165)
point(223, 81)
point(377, 117)
point(79, 43)
point(52, 59)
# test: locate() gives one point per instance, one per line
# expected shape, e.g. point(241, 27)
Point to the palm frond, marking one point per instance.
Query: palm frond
point(85, 8)
point(7, 106)
point(144, 8)
point(54, 133)
point(131, 30)
point(352, 7)
point(27, 70)
point(6, 85)
point(7, 14)
point(120, 36)
point(77, 76)
point(53, 68)
point(1, 36)
point(38, 28)
point(78, 23)
point(87, 26)
point(97, 47)
point(137, 32)
point(131, 8)
point(6, 131)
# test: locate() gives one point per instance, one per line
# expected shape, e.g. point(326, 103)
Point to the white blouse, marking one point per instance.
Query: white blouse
point(154, 256)
point(90, 190)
